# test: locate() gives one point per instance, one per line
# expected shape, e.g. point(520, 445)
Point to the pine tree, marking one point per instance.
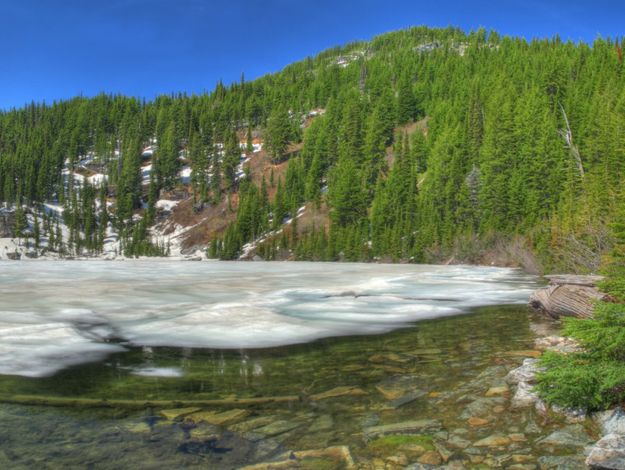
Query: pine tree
point(167, 159)
point(232, 158)
point(278, 133)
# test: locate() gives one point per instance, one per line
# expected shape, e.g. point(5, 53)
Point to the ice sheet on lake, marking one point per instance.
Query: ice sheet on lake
point(57, 314)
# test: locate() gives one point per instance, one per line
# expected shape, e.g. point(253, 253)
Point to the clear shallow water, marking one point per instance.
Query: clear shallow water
point(414, 342)
point(57, 314)
point(439, 369)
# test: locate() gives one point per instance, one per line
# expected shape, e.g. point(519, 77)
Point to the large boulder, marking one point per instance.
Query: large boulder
point(608, 453)
point(568, 296)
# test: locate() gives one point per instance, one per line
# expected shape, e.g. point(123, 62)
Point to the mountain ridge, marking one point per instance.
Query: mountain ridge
point(517, 158)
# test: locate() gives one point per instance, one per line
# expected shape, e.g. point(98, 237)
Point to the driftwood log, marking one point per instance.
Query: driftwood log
point(568, 296)
point(139, 404)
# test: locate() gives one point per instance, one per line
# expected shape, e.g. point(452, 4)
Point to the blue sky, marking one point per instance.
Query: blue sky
point(54, 49)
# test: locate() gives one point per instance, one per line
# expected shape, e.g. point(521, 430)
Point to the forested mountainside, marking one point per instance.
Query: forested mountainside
point(420, 145)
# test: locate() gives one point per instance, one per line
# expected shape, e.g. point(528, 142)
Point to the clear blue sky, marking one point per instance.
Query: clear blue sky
point(54, 49)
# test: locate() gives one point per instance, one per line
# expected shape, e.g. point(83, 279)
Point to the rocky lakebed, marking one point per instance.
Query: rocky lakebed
point(448, 393)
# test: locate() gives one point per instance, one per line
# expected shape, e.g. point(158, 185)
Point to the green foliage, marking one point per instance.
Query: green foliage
point(595, 378)
point(578, 381)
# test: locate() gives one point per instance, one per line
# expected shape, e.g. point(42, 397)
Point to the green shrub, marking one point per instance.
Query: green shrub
point(593, 379)
point(602, 336)
point(580, 381)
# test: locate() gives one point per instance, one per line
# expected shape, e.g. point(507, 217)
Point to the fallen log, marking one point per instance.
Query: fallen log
point(568, 296)
point(140, 404)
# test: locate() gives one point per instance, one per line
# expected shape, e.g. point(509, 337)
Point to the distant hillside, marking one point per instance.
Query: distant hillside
point(422, 145)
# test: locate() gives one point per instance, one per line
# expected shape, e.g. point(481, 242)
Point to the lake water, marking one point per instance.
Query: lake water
point(324, 354)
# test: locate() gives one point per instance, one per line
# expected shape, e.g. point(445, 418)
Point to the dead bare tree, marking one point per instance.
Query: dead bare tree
point(567, 135)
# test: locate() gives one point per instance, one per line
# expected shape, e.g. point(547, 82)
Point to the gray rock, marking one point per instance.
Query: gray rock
point(572, 415)
point(608, 453)
point(611, 421)
point(572, 438)
point(566, 462)
point(526, 373)
point(524, 396)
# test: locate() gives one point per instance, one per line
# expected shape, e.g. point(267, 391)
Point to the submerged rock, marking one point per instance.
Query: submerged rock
point(482, 407)
point(493, 441)
point(339, 456)
point(404, 427)
point(138, 428)
point(608, 453)
point(458, 442)
point(204, 433)
point(322, 423)
point(497, 391)
point(405, 399)
point(218, 419)
point(560, 344)
point(431, 457)
point(251, 424)
point(476, 422)
point(339, 392)
point(176, 413)
point(564, 462)
point(570, 438)
point(277, 427)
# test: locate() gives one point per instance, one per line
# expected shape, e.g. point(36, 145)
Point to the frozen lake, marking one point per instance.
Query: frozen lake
point(56, 314)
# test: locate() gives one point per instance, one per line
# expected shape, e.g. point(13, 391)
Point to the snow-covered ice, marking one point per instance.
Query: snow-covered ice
point(54, 314)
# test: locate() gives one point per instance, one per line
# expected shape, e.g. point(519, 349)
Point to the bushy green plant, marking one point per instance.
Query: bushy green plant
point(579, 381)
point(595, 378)
point(603, 336)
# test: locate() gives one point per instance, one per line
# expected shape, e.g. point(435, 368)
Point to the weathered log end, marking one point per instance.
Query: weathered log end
point(568, 296)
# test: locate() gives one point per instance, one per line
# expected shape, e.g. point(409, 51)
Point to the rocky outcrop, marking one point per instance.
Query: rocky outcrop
point(609, 451)
point(568, 296)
